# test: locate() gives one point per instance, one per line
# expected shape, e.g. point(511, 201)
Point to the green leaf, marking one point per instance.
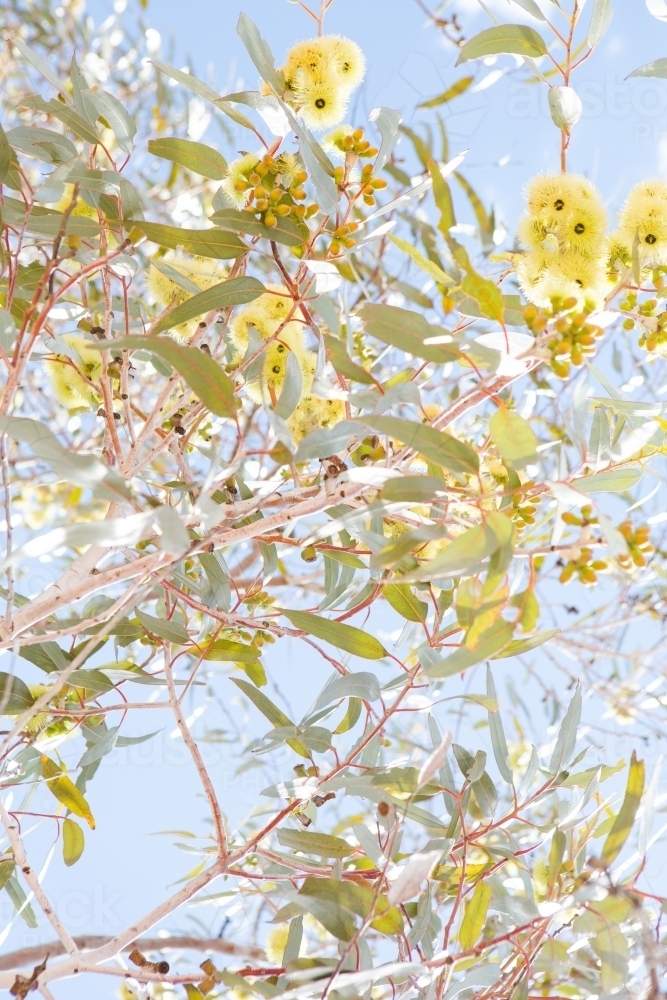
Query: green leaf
point(343, 363)
point(489, 642)
point(354, 898)
point(321, 844)
point(64, 789)
point(518, 646)
point(167, 630)
point(436, 446)
point(362, 684)
point(623, 823)
point(73, 842)
point(657, 68)
point(510, 39)
point(84, 470)
point(259, 52)
point(455, 90)
point(485, 293)
point(610, 481)
point(600, 21)
point(44, 69)
point(215, 243)
point(514, 438)
point(20, 901)
point(286, 231)
point(202, 373)
point(6, 871)
point(422, 262)
point(465, 551)
point(407, 331)
point(227, 650)
point(352, 640)
point(474, 917)
point(270, 711)
point(121, 123)
point(42, 143)
point(74, 121)
point(233, 292)
point(195, 156)
point(419, 489)
point(15, 696)
point(5, 155)
point(443, 200)
point(404, 602)
point(567, 735)
point(532, 8)
point(351, 716)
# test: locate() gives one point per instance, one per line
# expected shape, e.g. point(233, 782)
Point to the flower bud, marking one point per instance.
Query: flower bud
point(565, 106)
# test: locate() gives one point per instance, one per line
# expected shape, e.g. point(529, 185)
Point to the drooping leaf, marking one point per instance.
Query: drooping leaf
point(474, 917)
point(73, 842)
point(361, 684)
point(511, 39)
point(275, 716)
point(170, 631)
point(202, 373)
point(352, 640)
point(5, 155)
point(624, 822)
point(195, 156)
point(64, 789)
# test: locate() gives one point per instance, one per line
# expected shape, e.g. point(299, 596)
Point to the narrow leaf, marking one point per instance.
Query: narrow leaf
point(623, 823)
point(352, 640)
point(64, 789)
point(195, 156)
point(474, 918)
point(514, 39)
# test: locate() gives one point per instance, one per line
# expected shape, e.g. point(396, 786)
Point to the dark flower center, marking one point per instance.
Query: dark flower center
point(320, 103)
point(579, 228)
point(276, 369)
point(651, 239)
point(559, 204)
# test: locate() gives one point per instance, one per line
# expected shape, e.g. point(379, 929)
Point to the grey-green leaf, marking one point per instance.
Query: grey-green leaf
point(234, 292)
point(567, 735)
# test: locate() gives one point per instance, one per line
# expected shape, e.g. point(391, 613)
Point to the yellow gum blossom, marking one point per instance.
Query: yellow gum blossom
point(312, 413)
point(266, 314)
point(644, 218)
point(269, 385)
point(70, 377)
point(320, 75)
point(201, 271)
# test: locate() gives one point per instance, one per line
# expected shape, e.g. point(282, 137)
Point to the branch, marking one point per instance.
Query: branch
point(27, 957)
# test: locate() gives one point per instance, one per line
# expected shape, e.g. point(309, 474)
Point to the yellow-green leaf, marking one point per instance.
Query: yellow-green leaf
point(422, 262)
point(514, 39)
point(623, 823)
point(64, 789)
point(195, 156)
point(474, 918)
point(514, 437)
point(485, 293)
point(234, 292)
point(455, 90)
point(404, 602)
point(73, 842)
point(436, 446)
point(352, 640)
point(202, 373)
point(321, 844)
